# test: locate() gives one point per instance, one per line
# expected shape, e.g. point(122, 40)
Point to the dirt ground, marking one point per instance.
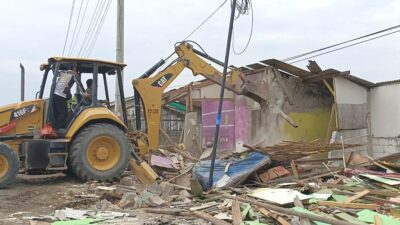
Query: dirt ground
point(41, 195)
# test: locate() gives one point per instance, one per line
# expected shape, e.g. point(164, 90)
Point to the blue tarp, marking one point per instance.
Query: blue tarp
point(237, 172)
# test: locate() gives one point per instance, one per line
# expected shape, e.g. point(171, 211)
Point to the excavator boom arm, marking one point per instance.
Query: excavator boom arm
point(151, 89)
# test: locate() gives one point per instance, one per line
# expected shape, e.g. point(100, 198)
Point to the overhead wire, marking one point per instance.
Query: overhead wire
point(69, 25)
point(76, 27)
point(243, 9)
point(84, 42)
point(80, 26)
point(347, 46)
point(93, 44)
point(94, 27)
point(204, 21)
point(340, 43)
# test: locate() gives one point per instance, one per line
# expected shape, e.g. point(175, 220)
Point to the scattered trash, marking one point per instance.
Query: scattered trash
point(280, 196)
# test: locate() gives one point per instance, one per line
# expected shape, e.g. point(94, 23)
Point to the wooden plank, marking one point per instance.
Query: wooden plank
point(298, 203)
point(349, 218)
point(377, 220)
point(314, 67)
point(268, 213)
point(349, 205)
point(373, 192)
point(289, 212)
point(357, 196)
point(208, 217)
point(294, 169)
point(204, 206)
point(236, 213)
point(329, 130)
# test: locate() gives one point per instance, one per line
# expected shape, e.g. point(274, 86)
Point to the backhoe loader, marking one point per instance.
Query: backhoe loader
point(93, 145)
point(149, 88)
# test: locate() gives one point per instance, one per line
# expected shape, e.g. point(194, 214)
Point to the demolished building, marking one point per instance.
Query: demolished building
point(303, 105)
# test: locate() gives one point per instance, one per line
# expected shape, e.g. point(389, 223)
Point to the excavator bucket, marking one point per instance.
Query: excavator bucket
point(143, 172)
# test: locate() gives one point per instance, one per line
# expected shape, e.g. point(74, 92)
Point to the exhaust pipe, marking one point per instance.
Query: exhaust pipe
point(22, 82)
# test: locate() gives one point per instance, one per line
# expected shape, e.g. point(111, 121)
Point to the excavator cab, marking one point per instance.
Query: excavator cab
point(94, 70)
point(93, 145)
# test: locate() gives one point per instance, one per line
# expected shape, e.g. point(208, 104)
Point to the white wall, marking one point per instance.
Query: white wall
point(385, 110)
point(348, 92)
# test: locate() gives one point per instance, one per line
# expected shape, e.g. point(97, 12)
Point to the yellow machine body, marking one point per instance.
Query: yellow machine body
point(90, 115)
point(21, 119)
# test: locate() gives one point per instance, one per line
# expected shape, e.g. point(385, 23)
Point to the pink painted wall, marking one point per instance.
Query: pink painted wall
point(242, 128)
point(227, 129)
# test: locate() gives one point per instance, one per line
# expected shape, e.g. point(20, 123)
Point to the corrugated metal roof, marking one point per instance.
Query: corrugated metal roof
point(388, 82)
point(359, 81)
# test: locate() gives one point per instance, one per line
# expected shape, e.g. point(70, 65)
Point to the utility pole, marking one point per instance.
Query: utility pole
point(119, 53)
point(221, 97)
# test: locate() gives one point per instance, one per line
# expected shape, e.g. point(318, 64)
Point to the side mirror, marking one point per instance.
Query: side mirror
point(43, 67)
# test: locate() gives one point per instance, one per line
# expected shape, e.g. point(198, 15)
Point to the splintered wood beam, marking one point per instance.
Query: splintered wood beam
point(329, 73)
point(274, 216)
point(209, 218)
point(349, 205)
point(357, 196)
point(236, 213)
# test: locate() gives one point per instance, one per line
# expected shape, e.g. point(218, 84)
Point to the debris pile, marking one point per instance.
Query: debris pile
point(259, 186)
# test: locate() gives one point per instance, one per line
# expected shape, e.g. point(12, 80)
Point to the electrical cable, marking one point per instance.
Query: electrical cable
point(93, 44)
point(76, 26)
point(69, 25)
point(89, 28)
point(341, 43)
point(244, 11)
point(347, 46)
point(80, 26)
point(204, 21)
point(99, 27)
point(94, 27)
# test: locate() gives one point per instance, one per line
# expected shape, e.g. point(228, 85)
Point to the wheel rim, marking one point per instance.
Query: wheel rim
point(103, 153)
point(3, 166)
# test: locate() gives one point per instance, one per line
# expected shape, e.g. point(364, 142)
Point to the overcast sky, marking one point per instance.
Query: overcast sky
point(32, 31)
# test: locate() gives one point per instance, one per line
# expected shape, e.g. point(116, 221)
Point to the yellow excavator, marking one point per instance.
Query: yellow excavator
point(93, 145)
point(149, 88)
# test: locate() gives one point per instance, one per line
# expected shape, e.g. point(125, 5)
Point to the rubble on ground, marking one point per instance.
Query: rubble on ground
point(252, 187)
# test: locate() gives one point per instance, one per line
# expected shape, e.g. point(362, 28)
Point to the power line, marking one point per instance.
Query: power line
point(89, 28)
point(69, 25)
point(94, 27)
point(93, 44)
point(244, 8)
point(76, 26)
point(341, 43)
point(204, 21)
point(80, 26)
point(347, 46)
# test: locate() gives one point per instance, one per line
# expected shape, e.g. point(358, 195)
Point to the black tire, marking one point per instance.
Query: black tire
point(69, 171)
point(78, 152)
point(8, 154)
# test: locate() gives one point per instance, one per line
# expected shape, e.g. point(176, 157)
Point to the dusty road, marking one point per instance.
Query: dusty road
point(41, 195)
